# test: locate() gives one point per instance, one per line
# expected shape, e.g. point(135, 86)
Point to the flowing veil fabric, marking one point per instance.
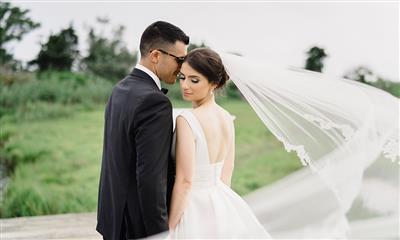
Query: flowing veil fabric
point(345, 131)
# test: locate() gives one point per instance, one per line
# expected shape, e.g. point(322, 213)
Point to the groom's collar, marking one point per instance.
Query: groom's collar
point(150, 73)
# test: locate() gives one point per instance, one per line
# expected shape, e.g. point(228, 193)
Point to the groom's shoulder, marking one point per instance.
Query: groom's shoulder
point(137, 86)
point(142, 91)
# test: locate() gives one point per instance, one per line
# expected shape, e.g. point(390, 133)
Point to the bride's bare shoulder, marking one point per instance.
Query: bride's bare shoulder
point(227, 115)
point(217, 112)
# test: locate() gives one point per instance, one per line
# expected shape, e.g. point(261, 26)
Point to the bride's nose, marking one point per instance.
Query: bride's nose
point(184, 85)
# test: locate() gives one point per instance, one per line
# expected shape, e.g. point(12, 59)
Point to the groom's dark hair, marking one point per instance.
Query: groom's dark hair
point(159, 35)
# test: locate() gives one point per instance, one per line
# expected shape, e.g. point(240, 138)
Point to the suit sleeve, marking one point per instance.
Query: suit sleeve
point(153, 136)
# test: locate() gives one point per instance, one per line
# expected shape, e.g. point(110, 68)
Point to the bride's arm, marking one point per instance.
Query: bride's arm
point(185, 150)
point(227, 169)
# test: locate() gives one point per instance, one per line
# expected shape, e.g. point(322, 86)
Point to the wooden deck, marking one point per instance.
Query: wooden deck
point(64, 226)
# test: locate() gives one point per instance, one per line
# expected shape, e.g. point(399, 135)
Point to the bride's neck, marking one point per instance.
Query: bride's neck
point(210, 99)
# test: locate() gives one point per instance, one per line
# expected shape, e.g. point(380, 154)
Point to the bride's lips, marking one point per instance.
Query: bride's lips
point(186, 94)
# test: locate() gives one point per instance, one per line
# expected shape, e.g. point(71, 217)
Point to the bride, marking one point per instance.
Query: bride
point(203, 205)
point(343, 130)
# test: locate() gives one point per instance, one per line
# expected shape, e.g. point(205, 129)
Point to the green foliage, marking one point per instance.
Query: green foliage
point(56, 166)
point(260, 158)
point(365, 75)
point(315, 59)
point(14, 24)
point(9, 77)
point(388, 86)
point(60, 51)
point(51, 95)
point(232, 92)
point(194, 46)
point(108, 58)
point(57, 162)
point(361, 74)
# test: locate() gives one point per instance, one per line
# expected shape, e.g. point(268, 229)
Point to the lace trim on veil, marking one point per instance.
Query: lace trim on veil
point(390, 149)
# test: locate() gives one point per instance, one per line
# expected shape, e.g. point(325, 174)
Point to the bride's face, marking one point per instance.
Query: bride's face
point(194, 86)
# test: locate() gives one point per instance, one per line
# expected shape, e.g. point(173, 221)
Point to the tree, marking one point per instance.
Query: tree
point(362, 74)
point(14, 24)
point(367, 76)
point(108, 58)
point(194, 46)
point(60, 51)
point(315, 57)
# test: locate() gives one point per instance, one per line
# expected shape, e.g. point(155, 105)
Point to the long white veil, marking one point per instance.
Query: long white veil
point(345, 131)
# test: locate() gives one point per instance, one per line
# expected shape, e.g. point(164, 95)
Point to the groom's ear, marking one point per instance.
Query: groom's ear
point(154, 56)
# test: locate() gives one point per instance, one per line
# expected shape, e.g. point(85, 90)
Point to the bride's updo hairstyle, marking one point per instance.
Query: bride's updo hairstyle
point(209, 64)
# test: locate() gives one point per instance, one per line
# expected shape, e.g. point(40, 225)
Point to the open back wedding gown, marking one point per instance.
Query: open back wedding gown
point(213, 209)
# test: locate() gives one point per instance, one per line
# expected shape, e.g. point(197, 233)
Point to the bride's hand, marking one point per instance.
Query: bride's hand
point(171, 226)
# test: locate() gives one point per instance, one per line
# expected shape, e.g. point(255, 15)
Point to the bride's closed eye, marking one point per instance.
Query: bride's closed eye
point(181, 77)
point(194, 80)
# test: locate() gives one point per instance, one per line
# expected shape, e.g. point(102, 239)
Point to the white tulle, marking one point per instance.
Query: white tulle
point(345, 132)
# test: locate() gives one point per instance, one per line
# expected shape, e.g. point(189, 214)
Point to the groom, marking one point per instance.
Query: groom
point(137, 173)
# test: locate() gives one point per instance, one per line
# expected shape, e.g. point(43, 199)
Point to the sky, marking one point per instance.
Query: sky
point(353, 33)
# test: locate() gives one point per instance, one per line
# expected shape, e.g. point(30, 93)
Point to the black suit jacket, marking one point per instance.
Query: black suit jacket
point(137, 172)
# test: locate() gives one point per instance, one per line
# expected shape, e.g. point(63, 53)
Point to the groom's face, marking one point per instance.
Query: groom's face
point(168, 66)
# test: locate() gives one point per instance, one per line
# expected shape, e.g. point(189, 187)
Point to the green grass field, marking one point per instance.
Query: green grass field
point(57, 162)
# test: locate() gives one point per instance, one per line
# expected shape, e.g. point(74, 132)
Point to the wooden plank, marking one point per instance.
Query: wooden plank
point(63, 226)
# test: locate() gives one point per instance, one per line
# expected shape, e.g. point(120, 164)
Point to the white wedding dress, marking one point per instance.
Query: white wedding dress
point(213, 209)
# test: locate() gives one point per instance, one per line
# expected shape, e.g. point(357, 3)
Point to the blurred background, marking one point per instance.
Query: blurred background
point(60, 60)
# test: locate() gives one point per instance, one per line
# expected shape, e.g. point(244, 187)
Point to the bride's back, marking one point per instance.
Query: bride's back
point(216, 124)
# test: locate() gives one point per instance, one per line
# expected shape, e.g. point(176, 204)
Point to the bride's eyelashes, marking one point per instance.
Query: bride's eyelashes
point(194, 80)
point(182, 77)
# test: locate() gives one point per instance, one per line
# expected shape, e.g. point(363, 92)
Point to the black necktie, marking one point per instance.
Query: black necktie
point(164, 90)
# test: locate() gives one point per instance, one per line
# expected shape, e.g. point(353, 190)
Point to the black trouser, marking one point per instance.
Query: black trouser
point(124, 232)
